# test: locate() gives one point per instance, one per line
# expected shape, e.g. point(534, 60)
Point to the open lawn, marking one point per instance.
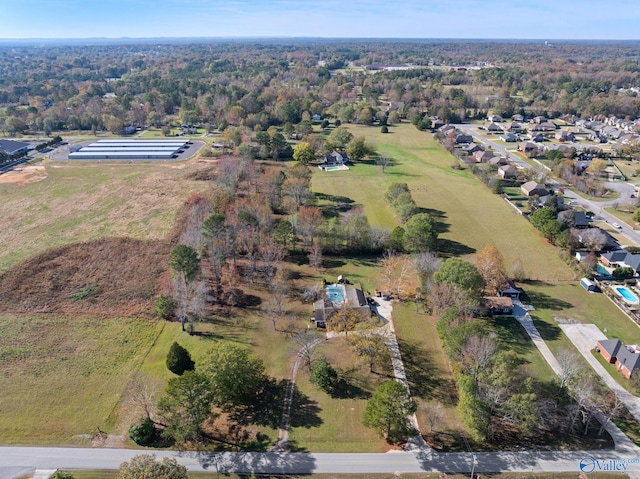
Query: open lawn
point(470, 216)
point(78, 202)
point(62, 377)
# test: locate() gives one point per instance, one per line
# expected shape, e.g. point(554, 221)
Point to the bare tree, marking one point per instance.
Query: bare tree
point(315, 255)
point(426, 264)
point(610, 406)
point(383, 162)
point(141, 394)
point(478, 352)
point(434, 412)
point(305, 342)
point(570, 366)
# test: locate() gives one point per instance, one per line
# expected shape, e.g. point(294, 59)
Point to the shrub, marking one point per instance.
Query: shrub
point(145, 433)
point(384, 129)
point(323, 375)
point(179, 360)
point(165, 307)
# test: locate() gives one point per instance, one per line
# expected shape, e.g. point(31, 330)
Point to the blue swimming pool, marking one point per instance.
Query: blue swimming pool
point(335, 292)
point(627, 295)
point(602, 270)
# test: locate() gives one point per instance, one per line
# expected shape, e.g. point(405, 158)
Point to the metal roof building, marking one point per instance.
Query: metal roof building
point(129, 150)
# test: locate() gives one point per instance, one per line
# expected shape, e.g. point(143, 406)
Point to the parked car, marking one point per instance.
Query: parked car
point(616, 226)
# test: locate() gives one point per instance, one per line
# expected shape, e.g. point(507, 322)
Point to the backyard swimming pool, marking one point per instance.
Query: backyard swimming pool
point(602, 270)
point(335, 292)
point(627, 295)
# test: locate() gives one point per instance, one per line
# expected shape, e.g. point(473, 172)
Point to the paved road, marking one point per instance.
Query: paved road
point(21, 460)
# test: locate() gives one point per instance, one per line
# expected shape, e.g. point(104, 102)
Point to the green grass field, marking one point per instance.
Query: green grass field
point(63, 377)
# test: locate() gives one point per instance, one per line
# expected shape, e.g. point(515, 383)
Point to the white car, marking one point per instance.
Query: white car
point(616, 226)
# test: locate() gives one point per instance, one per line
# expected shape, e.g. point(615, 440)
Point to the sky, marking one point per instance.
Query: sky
point(500, 19)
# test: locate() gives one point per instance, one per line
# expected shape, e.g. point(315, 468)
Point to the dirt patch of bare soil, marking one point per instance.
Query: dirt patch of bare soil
point(105, 277)
point(24, 176)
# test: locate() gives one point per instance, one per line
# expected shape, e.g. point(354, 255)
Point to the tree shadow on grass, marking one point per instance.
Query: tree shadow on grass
point(426, 378)
point(333, 198)
point(450, 248)
point(511, 334)
point(266, 410)
point(542, 300)
point(548, 332)
point(348, 386)
point(304, 411)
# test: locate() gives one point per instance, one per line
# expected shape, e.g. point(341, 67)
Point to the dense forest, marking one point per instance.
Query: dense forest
point(50, 87)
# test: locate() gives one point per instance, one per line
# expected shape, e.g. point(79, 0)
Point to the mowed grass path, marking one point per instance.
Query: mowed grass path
point(79, 202)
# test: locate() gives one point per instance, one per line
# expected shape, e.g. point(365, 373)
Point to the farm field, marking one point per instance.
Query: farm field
point(77, 202)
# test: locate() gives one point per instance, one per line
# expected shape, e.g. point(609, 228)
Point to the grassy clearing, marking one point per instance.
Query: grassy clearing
point(82, 202)
point(469, 214)
point(623, 213)
point(62, 377)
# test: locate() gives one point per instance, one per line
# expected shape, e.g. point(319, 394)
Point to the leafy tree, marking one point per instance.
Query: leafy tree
point(62, 475)
point(462, 274)
point(552, 230)
point(145, 466)
point(323, 375)
point(554, 155)
point(165, 307)
point(358, 148)
point(284, 233)
point(236, 374)
point(339, 138)
point(186, 405)
point(371, 349)
point(542, 216)
point(636, 215)
point(145, 433)
point(623, 272)
point(420, 233)
point(490, 265)
point(473, 412)
point(184, 260)
point(303, 152)
point(396, 239)
point(179, 360)
point(388, 409)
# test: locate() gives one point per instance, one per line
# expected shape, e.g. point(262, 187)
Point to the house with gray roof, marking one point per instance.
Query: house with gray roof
point(626, 358)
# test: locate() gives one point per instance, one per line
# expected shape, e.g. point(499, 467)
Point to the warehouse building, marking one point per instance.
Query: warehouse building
point(130, 150)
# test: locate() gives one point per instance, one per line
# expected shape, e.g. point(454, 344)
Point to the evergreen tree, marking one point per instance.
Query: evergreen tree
point(179, 360)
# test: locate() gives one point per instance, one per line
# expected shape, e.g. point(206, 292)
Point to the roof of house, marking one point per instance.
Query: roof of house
point(10, 146)
point(530, 186)
point(498, 302)
point(622, 256)
point(611, 346)
point(629, 357)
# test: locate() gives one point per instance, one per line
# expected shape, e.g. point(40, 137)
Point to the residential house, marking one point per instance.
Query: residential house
point(354, 299)
point(564, 135)
point(483, 156)
point(531, 150)
point(336, 159)
point(514, 126)
point(437, 123)
point(575, 219)
point(446, 128)
point(508, 172)
point(495, 119)
point(621, 259)
point(509, 137)
point(536, 137)
point(517, 117)
point(11, 147)
point(498, 305)
point(494, 128)
point(464, 138)
point(471, 148)
point(498, 161)
point(538, 119)
point(533, 188)
point(544, 126)
point(626, 358)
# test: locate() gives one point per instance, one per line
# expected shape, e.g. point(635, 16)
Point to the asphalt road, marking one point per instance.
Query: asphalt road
point(21, 460)
point(624, 190)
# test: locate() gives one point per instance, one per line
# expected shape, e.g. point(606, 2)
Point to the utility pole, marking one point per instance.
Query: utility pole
point(473, 465)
